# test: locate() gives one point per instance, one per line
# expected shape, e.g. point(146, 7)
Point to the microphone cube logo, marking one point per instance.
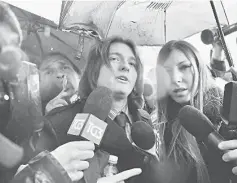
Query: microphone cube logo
point(94, 129)
point(77, 124)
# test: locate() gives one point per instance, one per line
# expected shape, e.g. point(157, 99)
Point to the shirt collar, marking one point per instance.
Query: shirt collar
point(114, 112)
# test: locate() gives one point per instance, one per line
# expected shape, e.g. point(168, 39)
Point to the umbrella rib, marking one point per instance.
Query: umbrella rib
point(40, 43)
point(112, 18)
point(165, 27)
point(66, 5)
point(225, 13)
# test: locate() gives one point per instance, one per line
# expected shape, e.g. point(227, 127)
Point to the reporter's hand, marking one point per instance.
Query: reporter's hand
point(72, 156)
point(120, 177)
point(231, 155)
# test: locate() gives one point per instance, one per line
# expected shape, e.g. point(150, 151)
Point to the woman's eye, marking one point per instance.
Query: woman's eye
point(132, 64)
point(184, 67)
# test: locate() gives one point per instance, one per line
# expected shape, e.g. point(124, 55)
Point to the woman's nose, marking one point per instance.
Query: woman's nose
point(176, 76)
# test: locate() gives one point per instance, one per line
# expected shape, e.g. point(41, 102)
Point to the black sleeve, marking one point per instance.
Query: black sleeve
point(43, 168)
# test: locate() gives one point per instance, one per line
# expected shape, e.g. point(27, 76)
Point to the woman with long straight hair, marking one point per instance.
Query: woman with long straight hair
point(190, 83)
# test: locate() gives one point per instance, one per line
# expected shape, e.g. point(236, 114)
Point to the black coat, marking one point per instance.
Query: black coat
point(54, 134)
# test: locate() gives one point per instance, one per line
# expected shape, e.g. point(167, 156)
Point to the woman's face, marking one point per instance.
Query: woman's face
point(181, 73)
point(122, 75)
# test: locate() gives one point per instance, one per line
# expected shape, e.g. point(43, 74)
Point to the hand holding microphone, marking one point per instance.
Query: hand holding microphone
point(230, 147)
point(203, 130)
point(72, 156)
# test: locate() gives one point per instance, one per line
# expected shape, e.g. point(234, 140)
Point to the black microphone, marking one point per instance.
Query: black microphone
point(196, 123)
point(10, 153)
point(10, 63)
point(90, 124)
point(230, 103)
point(143, 135)
point(95, 125)
point(209, 36)
point(228, 128)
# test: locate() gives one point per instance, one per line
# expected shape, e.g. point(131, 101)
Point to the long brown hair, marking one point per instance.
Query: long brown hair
point(98, 56)
point(204, 97)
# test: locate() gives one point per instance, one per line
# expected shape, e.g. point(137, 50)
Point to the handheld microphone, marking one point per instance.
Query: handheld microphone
point(10, 63)
point(209, 36)
point(196, 123)
point(10, 153)
point(90, 124)
point(148, 90)
point(95, 125)
point(111, 137)
point(144, 137)
point(230, 103)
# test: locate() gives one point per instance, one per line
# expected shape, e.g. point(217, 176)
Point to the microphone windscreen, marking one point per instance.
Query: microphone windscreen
point(143, 135)
point(99, 103)
point(10, 63)
point(195, 122)
point(148, 90)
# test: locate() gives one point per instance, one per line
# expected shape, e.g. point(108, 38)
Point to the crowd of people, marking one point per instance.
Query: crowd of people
point(114, 63)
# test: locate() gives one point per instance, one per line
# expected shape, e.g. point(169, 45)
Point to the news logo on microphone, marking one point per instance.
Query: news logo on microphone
point(89, 127)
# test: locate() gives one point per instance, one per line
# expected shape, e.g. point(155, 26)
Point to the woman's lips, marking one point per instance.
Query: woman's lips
point(180, 91)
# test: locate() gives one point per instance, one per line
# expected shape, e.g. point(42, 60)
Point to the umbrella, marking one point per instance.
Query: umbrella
point(147, 22)
point(42, 36)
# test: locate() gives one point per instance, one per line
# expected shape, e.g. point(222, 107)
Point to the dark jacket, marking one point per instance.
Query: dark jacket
point(54, 134)
point(42, 168)
point(218, 170)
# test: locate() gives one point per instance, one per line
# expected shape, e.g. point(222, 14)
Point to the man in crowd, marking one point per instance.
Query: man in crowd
point(59, 81)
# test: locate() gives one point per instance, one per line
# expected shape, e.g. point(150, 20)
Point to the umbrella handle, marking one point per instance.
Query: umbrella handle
point(227, 53)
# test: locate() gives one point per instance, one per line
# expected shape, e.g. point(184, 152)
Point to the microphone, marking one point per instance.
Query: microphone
point(90, 124)
point(143, 135)
point(10, 153)
point(228, 128)
point(148, 90)
point(230, 103)
point(95, 125)
point(10, 63)
point(209, 36)
point(196, 123)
